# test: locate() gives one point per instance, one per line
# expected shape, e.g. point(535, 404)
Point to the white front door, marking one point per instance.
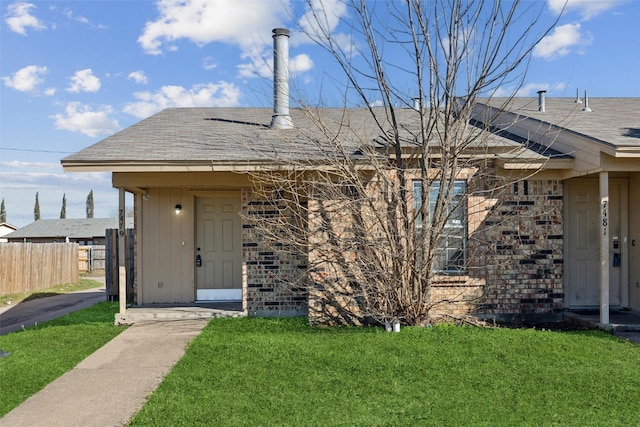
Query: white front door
point(582, 260)
point(219, 248)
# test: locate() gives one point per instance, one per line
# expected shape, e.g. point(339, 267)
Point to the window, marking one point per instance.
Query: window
point(451, 248)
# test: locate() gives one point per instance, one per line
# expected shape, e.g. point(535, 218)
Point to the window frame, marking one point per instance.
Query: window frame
point(459, 265)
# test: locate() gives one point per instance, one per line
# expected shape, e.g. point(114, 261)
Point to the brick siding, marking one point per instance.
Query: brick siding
point(273, 275)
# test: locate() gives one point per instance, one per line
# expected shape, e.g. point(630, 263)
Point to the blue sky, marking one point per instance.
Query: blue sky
point(75, 72)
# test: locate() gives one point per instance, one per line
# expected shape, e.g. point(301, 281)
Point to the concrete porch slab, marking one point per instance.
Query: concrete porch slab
point(619, 320)
point(159, 312)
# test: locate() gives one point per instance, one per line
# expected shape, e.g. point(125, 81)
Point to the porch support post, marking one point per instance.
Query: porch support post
point(604, 248)
point(122, 284)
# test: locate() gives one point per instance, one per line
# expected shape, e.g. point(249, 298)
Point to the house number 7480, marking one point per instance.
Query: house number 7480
point(605, 219)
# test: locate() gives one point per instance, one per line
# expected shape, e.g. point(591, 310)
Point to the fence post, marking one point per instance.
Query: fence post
point(111, 268)
point(129, 263)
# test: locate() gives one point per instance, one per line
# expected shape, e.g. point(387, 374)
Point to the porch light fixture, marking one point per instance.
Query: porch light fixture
point(146, 195)
point(178, 209)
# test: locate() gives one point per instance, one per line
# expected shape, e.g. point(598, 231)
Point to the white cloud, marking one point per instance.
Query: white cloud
point(139, 77)
point(50, 91)
point(246, 24)
point(81, 118)
point(530, 89)
point(81, 19)
point(586, 8)
point(322, 17)
point(319, 22)
point(260, 63)
point(35, 165)
point(20, 18)
point(26, 79)
point(300, 64)
point(69, 14)
point(222, 94)
point(561, 41)
point(84, 81)
point(208, 63)
point(243, 23)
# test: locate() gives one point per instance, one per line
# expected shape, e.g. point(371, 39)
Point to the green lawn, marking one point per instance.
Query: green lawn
point(281, 372)
point(40, 354)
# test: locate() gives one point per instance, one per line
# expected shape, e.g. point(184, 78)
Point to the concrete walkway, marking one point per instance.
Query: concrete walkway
point(112, 384)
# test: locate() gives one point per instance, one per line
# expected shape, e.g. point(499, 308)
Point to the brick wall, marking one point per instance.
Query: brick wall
point(515, 251)
point(274, 274)
point(524, 253)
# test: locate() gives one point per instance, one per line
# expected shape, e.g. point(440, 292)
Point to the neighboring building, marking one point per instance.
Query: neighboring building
point(5, 229)
point(85, 231)
point(543, 253)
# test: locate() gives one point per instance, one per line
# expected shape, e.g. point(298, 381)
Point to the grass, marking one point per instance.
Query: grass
point(40, 354)
point(282, 372)
point(55, 290)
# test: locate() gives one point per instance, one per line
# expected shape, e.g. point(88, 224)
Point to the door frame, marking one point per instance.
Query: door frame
point(223, 294)
point(623, 238)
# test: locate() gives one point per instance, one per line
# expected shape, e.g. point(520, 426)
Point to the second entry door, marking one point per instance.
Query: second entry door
point(583, 244)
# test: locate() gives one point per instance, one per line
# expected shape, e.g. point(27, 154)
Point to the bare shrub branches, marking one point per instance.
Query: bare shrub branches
point(387, 199)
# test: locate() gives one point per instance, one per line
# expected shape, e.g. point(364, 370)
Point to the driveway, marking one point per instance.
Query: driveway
point(28, 313)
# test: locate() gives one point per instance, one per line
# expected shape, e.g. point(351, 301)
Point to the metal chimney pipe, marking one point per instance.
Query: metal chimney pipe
point(578, 101)
point(281, 118)
point(541, 101)
point(586, 102)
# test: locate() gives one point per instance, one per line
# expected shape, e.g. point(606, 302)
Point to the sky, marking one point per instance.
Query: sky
point(74, 72)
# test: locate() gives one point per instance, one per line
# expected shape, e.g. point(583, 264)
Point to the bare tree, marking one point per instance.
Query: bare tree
point(3, 212)
point(384, 199)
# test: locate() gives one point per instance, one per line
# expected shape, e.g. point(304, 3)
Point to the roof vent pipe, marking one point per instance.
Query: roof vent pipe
point(578, 100)
point(416, 104)
point(541, 103)
point(281, 118)
point(586, 102)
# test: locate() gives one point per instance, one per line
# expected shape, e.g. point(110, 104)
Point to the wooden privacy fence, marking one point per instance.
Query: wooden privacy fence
point(26, 267)
point(119, 267)
point(91, 258)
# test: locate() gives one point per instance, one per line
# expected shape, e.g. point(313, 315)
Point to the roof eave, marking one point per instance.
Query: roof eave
point(536, 164)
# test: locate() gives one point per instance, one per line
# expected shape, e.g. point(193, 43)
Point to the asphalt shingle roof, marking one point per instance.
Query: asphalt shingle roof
point(241, 136)
point(73, 228)
point(615, 121)
point(212, 135)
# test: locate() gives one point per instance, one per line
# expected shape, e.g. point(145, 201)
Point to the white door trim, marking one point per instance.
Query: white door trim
point(219, 295)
